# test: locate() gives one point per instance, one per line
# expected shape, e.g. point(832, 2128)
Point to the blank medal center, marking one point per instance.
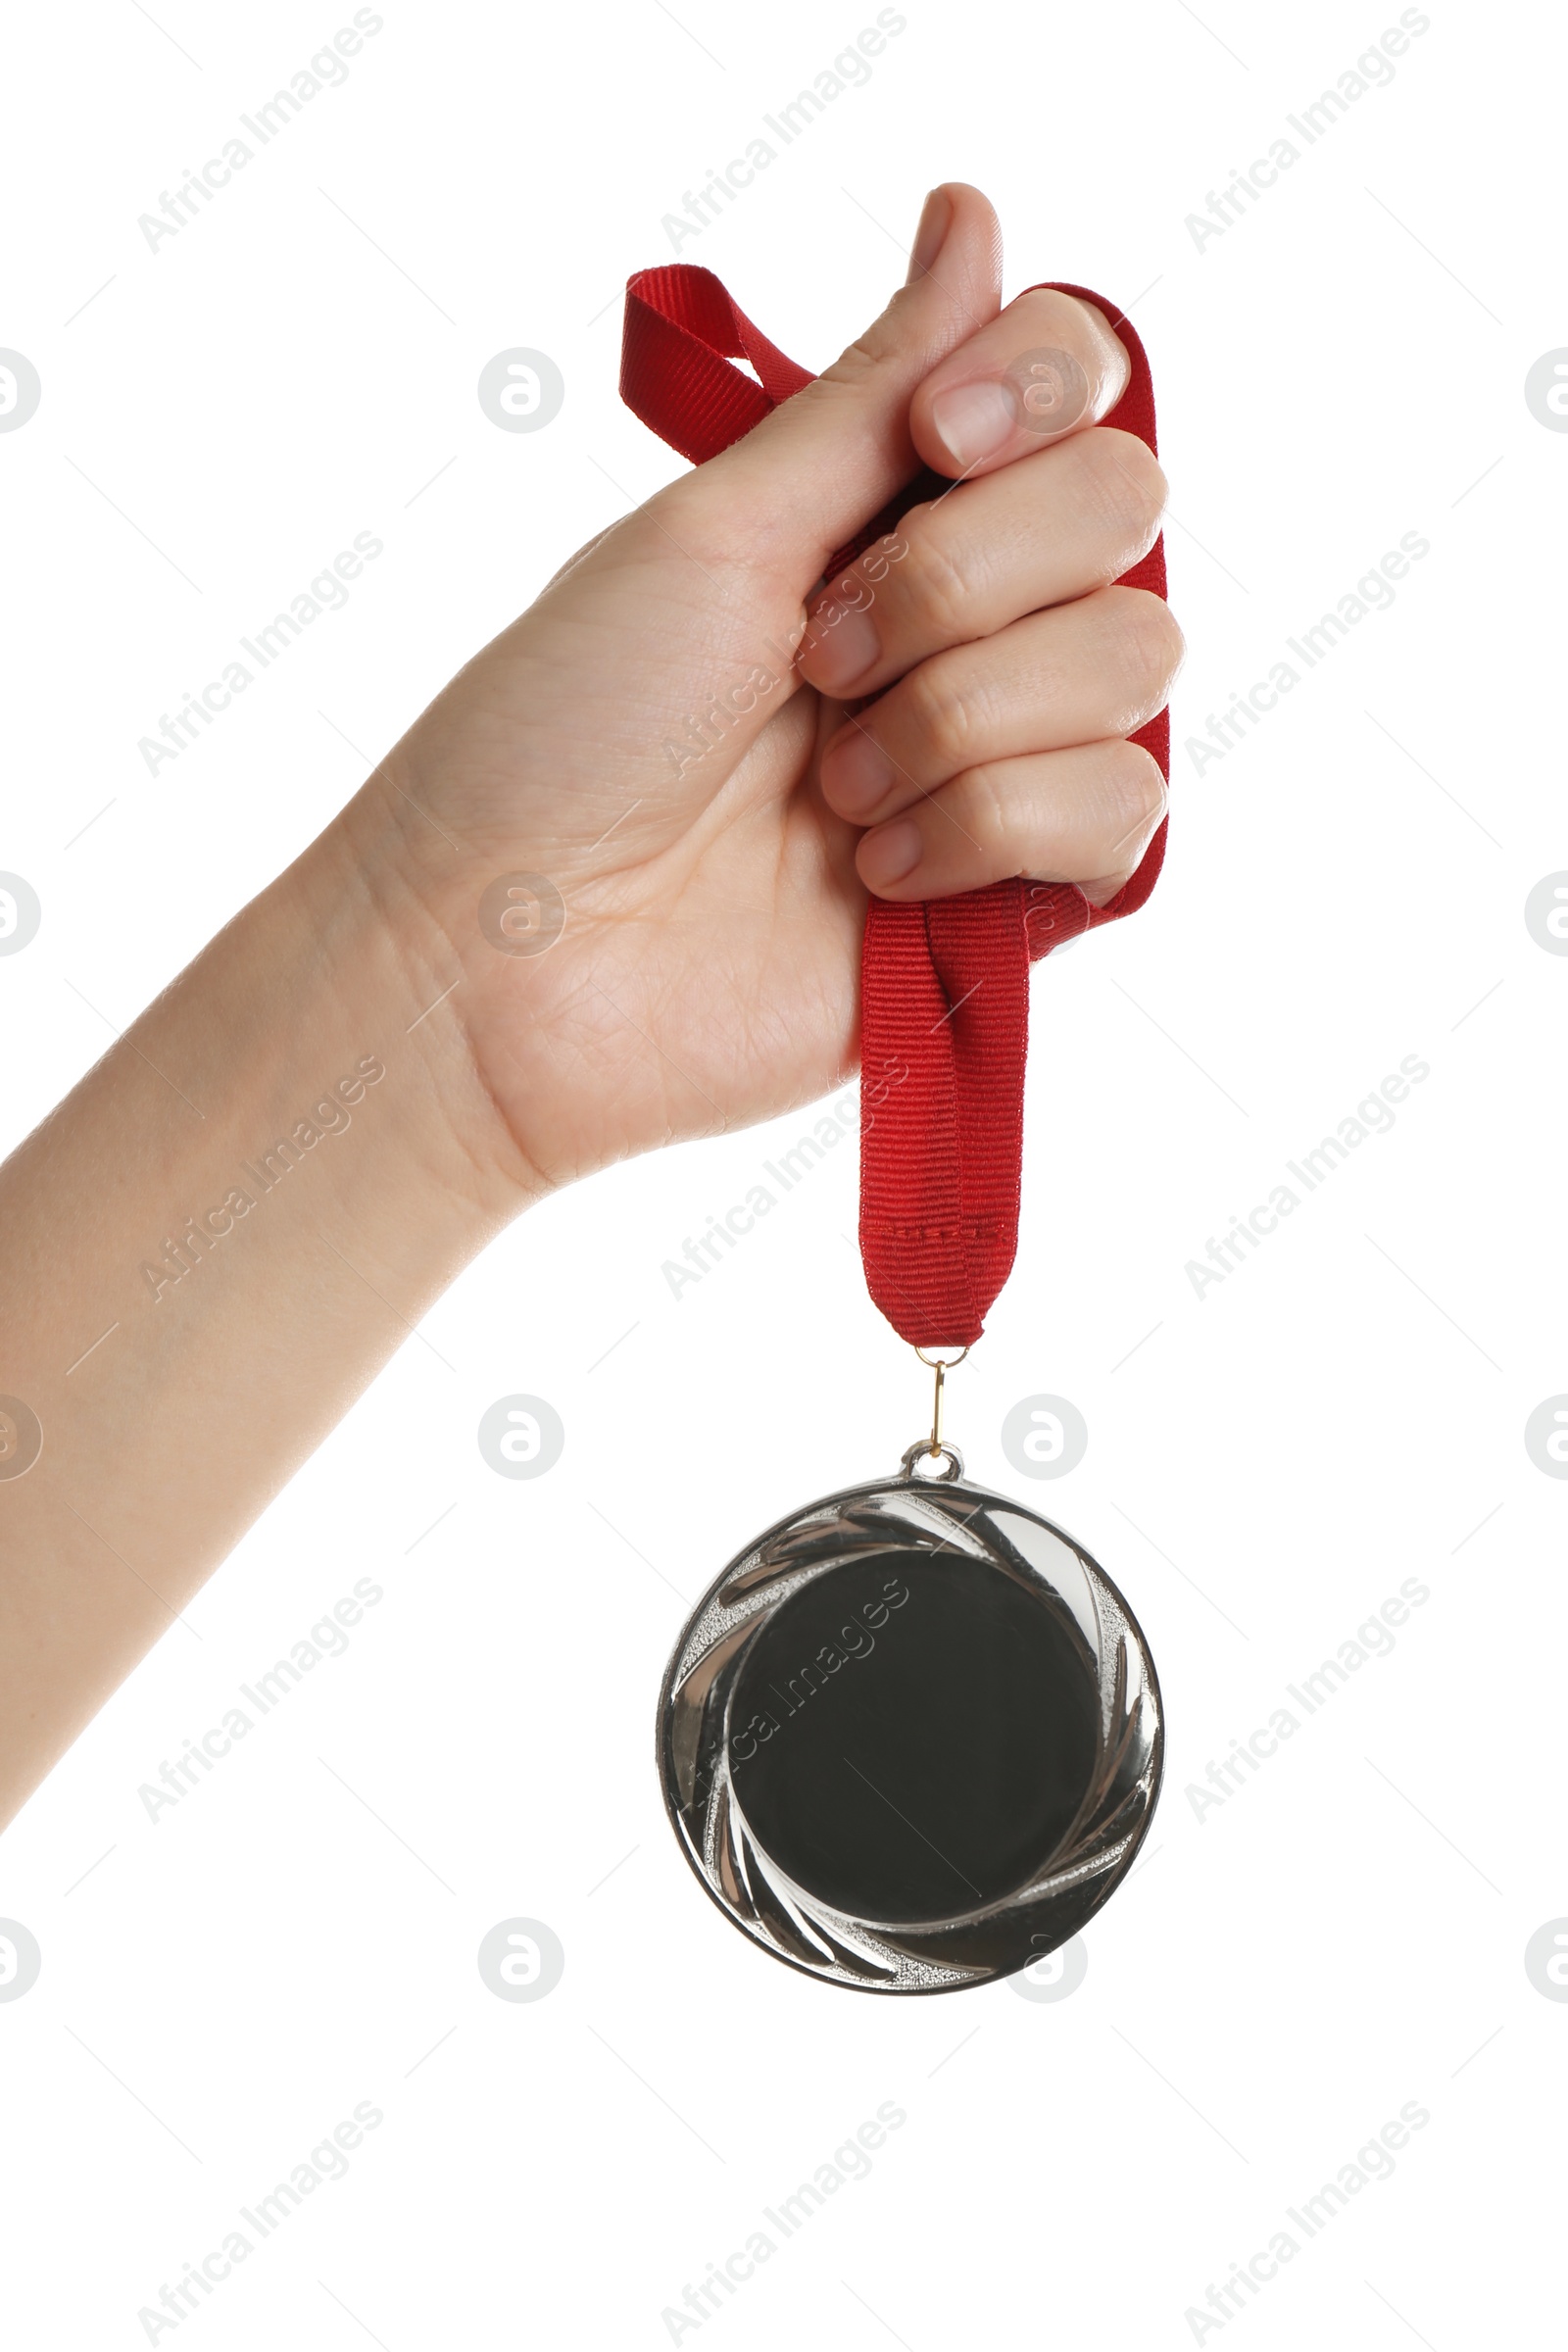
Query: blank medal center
point(912, 1737)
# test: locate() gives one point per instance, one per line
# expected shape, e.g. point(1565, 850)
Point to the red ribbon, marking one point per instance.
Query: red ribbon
point(944, 982)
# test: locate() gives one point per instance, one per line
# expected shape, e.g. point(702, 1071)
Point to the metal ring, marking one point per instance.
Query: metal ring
point(931, 1361)
point(920, 1451)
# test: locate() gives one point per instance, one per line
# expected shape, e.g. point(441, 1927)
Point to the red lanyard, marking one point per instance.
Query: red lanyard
point(944, 982)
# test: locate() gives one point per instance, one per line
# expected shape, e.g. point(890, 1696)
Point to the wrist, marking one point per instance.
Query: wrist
point(394, 971)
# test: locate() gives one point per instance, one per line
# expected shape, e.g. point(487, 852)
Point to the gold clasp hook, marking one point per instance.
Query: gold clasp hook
point(940, 1366)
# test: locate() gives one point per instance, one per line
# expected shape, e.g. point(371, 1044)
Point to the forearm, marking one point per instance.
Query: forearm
point(207, 1251)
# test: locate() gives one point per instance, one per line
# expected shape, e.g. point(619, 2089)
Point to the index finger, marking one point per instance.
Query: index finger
point(1047, 367)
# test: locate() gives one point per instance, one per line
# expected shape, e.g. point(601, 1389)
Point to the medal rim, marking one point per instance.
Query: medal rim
point(903, 1480)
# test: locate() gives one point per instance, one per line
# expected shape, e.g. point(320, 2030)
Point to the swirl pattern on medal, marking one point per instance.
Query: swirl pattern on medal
point(902, 1522)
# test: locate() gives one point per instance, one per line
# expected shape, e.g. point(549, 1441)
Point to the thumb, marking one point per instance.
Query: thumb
point(827, 461)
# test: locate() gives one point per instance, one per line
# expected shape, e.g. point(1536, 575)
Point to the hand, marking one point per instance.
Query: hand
point(706, 973)
point(715, 888)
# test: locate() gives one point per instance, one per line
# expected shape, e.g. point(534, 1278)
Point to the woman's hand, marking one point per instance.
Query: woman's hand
point(700, 812)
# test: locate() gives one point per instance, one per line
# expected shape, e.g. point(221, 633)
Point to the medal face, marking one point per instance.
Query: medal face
point(911, 1740)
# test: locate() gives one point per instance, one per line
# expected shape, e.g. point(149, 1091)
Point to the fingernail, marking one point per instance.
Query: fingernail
point(856, 775)
point(974, 420)
point(936, 218)
point(891, 854)
point(844, 649)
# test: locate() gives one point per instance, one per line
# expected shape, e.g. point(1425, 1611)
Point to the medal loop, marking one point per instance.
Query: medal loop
point(940, 1368)
point(922, 1451)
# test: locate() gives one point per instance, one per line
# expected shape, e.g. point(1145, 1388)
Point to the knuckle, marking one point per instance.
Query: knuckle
point(856, 364)
point(1132, 791)
point(936, 591)
point(1124, 486)
point(1081, 328)
point(1048, 316)
point(943, 713)
point(1147, 644)
point(989, 814)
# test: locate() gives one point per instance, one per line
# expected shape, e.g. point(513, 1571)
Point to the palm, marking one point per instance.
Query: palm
point(706, 975)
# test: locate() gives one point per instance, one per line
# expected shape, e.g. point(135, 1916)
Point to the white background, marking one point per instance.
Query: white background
point(1345, 1934)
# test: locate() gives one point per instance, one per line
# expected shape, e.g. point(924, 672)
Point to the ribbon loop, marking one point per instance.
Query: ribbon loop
point(681, 332)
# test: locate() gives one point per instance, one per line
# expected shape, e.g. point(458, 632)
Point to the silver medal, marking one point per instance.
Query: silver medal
point(911, 1740)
